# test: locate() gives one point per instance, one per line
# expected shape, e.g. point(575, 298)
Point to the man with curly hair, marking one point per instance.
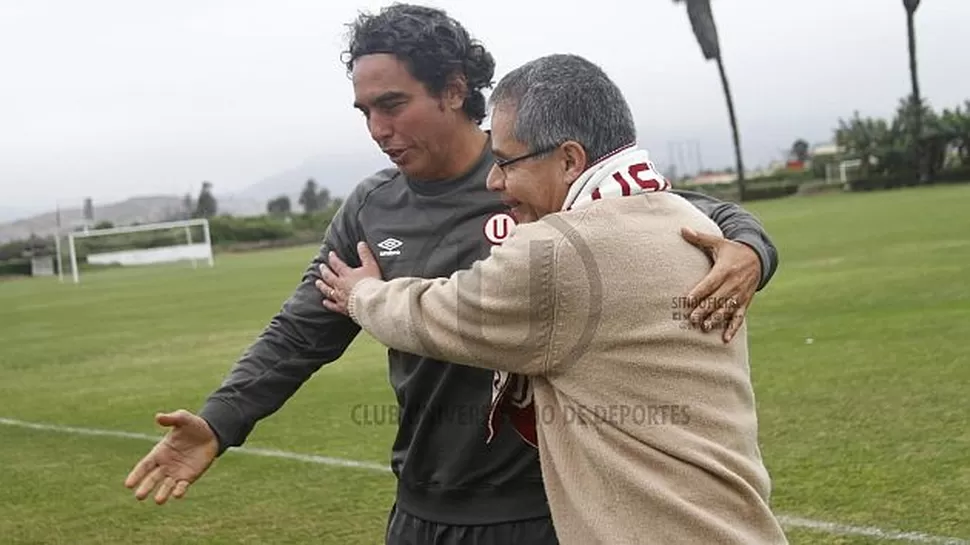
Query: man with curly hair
point(462, 477)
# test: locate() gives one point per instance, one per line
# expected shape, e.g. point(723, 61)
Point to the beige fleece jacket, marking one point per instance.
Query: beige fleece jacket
point(647, 429)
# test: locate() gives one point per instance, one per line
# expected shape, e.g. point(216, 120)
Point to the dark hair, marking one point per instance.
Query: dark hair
point(566, 97)
point(432, 45)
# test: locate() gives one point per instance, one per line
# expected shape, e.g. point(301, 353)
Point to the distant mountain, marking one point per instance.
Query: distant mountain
point(9, 213)
point(134, 210)
point(339, 174)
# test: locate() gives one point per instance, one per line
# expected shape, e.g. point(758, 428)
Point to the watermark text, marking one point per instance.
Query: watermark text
point(470, 415)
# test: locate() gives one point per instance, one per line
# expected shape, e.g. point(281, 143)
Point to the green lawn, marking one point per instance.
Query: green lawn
point(866, 425)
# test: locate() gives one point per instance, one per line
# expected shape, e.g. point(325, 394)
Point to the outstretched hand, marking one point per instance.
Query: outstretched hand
point(177, 461)
point(338, 280)
point(722, 298)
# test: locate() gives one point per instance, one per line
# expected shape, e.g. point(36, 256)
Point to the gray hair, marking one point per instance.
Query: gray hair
point(566, 97)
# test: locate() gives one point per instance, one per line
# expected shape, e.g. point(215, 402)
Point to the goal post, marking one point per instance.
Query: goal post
point(186, 250)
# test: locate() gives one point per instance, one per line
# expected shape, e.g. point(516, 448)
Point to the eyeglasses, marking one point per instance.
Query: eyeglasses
point(502, 163)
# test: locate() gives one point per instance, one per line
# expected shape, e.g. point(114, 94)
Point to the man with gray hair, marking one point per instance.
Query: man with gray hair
point(646, 427)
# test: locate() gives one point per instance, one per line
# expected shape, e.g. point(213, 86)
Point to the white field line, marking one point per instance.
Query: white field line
point(324, 460)
point(868, 531)
point(788, 521)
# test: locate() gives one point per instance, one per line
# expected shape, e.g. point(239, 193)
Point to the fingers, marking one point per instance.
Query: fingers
point(326, 289)
point(139, 475)
point(149, 483)
point(367, 259)
point(334, 299)
point(723, 309)
point(153, 472)
point(723, 295)
point(335, 307)
point(335, 296)
point(165, 490)
point(338, 279)
point(328, 282)
point(167, 487)
point(732, 329)
point(698, 298)
point(141, 469)
point(326, 275)
point(177, 418)
point(330, 278)
point(704, 241)
point(337, 264)
point(181, 487)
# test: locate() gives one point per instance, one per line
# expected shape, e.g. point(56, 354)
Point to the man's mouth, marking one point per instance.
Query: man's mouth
point(395, 154)
point(513, 208)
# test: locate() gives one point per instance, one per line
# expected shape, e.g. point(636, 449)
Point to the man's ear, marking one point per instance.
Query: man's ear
point(575, 160)
point(455, 92)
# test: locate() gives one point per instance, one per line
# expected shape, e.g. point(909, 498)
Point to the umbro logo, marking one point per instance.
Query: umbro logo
point(389, 246)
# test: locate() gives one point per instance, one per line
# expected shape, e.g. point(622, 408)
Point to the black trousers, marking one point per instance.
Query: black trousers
point(406, 529)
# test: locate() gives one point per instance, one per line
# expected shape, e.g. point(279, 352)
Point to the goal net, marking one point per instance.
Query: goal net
point(187, 240)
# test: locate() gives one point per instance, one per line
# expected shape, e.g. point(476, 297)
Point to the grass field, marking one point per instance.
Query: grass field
point(866, 426)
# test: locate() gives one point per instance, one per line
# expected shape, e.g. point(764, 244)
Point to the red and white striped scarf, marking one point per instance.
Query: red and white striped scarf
point(625, 172)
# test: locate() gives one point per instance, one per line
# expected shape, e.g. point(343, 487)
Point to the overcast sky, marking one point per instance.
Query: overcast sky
point(115, 98)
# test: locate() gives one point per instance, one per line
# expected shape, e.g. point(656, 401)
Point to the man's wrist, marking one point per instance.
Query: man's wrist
point(753, 241)
point(218, 415)
point(355, 292)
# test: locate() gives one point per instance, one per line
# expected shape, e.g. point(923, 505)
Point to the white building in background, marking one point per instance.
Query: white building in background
point(42, 265)
point(825, 149)
point(712, 179)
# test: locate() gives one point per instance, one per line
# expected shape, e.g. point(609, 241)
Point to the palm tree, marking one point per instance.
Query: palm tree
point(867, 139)
point(702, 22)
point(911, 6)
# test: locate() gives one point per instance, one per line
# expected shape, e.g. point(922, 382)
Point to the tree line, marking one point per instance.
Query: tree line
point(884, 147)
point(279, 226)
point(313, 199)
point(909, 148)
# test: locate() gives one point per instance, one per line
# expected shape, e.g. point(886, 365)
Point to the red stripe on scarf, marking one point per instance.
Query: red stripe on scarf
point(624, 186)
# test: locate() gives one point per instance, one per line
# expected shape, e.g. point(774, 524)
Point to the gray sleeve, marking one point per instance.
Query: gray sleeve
point(301, 338)
point(739, 225)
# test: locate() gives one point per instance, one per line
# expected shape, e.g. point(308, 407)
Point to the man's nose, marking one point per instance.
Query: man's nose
point(380, 128)
point(495, 181)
